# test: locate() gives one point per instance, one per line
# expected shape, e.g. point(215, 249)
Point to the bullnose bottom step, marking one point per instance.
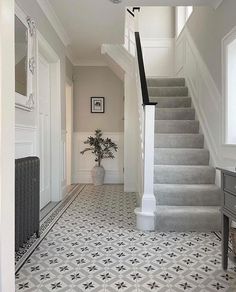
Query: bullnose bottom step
point(188, 218)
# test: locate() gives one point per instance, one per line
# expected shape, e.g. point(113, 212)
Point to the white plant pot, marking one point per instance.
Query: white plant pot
point(98, 174)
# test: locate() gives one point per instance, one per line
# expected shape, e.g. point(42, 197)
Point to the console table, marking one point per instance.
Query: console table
point(228, 210)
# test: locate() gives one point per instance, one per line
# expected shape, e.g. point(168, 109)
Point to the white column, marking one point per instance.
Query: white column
point(7, 146)
point(146, 213)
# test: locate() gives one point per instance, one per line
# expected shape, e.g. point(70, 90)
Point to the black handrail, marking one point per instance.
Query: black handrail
point(130, 12)
point(142, 74)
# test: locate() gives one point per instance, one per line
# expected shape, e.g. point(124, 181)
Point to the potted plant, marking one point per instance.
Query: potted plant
point(101, 148)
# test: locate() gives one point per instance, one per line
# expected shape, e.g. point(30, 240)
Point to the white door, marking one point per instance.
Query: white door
point(44, 130)
point(69, 131)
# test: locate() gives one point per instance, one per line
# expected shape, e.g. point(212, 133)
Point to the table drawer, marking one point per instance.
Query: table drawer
point(230, 184)
point(230, 202)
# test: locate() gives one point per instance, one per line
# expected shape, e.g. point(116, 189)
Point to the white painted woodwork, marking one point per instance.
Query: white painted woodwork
point(148, 200)
point(207, 100)
point(25, 141)
point(82, 164)
point(63, 163)
point(229, 87)
point(69, 131)
point(44, 97)
point(44, 49)
point(7, 172)
point(145, 213)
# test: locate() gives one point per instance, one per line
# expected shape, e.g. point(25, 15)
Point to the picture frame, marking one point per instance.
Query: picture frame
point(98, 105)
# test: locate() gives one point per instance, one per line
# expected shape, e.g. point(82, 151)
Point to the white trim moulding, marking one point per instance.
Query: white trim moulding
point(55, 21)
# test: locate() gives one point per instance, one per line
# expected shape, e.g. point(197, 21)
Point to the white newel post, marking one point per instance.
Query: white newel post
point(146, 213)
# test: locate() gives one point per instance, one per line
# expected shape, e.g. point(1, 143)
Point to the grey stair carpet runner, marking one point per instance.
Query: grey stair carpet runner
point(184, 183)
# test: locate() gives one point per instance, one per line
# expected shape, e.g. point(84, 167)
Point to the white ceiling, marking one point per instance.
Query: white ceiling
point(84, 25)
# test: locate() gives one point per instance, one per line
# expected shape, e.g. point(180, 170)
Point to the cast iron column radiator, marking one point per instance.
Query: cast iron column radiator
point(26, 199)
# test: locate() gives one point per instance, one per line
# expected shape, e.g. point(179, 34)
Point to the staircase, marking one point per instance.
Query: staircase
point(184, 183)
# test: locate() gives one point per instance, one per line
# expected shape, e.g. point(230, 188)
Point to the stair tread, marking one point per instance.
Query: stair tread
point(181, 156)
point(163, 81)
point(186, 166)
point(167, 87)
point(179, 140)
point(192, 208)
point(189, 186)
point(172, 101)
point(174, 109)
point(168, 96)
point(181, 149)
point(176, 126)
point(184, 174)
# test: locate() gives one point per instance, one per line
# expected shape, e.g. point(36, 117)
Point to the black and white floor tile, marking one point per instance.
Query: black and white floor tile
point(45, 225)
point(94, 246)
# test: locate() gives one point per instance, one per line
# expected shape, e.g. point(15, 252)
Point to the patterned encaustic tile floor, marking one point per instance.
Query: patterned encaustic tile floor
point(94, 246)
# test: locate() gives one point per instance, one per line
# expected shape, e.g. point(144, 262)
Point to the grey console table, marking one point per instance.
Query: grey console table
point(228, 210)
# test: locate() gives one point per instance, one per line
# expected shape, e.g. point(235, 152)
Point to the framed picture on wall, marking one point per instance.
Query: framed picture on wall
point(97, 104)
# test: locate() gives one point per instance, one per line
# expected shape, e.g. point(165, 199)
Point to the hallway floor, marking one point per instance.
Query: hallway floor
point(94, 246)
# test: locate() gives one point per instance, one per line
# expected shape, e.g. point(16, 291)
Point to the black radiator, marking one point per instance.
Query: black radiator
point(26, 199)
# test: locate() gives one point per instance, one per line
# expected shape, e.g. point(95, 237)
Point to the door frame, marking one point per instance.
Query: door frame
point(7, 149)
point(50, 55)
point(70, 84)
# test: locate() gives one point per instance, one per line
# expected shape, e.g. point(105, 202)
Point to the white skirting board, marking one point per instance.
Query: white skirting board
point(82, 164)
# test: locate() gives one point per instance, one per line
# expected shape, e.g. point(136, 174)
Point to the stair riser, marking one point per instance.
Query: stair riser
point(181, 157)
point(172, 102)
point(168, 91)
point(164, 82)
point(184, 175)
point(175, 114)
point(186, 197)
point(179, 141)
point(182, 222)
point(176, 126)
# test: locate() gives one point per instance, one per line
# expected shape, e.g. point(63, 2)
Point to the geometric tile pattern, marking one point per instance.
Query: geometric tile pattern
point(94, 246)
point(45, 225)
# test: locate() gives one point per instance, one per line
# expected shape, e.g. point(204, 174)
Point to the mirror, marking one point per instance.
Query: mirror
point(21, 58)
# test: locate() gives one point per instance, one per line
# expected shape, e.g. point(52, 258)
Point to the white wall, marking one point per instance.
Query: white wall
point(157, 30)
point(157, 22)
point(97, 81)
point(7, 173)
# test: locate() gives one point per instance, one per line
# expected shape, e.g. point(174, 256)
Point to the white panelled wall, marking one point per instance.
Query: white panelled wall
point(25, 141)
point(207, 99)
point(82, 164)
point(158, 54)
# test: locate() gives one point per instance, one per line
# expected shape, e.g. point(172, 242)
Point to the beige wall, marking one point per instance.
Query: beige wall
point(208, 26)
point(157, 22)
point(98, 81)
